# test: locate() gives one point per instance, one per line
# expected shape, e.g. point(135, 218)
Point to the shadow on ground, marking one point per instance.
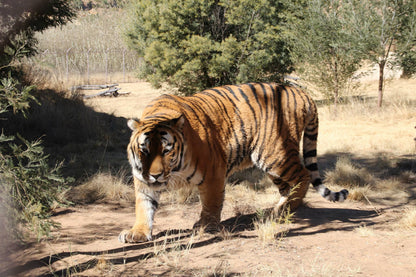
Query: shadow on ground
point(73, 133)
point(307, 221)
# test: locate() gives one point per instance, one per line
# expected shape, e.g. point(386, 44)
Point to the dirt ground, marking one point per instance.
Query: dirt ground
point(324, 239)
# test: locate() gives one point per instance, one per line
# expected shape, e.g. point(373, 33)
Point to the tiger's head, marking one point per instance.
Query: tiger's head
point(155, 148)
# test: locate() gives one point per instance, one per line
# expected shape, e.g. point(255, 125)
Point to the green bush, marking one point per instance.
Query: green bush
point(29, 187)
point(407, 62)
point(193, 45)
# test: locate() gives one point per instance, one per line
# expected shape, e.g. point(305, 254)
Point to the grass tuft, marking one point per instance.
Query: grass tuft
point(407, 177)
point(359, 193)
point(171, 251)
point(104, 266)
point(103, 187)
point(269, 227)
point(364, 231)
point(185, 194)
point(408, 220)
point(347, 174)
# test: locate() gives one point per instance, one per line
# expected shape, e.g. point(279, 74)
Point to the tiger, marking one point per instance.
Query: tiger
point(204, 138)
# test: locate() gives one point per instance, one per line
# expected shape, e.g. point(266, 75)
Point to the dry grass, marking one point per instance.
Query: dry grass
point(180, 194)
point(382, 178)
point(219, 270)
point(267, 230)
point(103, 187)
point(90, 49)
point(104, 266)
point(359, 193)
point(170, 252)
point(408, 218)
point(407, 177)
point(244, 200)
point(347, 174)
point(363, 129)
point(364, 231)
point(271, 229)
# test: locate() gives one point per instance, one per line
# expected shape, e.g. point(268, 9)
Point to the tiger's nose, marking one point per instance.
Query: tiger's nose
point(153, 177)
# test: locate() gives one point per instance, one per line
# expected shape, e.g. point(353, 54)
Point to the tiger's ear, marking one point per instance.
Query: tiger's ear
point(176, 119)
point(178, 122)
point(133, 124)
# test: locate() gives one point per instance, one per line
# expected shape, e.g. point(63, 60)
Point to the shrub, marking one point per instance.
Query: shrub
point(29, 188)
point(193, 45)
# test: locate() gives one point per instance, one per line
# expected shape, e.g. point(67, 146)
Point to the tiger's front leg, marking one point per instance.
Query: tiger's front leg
point(146, 205)
point(212, 198)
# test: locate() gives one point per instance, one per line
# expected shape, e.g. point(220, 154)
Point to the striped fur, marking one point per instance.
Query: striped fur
point(202, 139)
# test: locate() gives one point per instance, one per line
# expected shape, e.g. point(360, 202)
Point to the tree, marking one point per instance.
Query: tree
point(380, 24)
point(406, 42)
point(198, 44)
point(29, 188)
point(20, 19)
point(326, 51)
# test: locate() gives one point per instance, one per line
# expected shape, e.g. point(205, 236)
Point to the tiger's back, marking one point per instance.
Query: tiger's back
point(247, 124)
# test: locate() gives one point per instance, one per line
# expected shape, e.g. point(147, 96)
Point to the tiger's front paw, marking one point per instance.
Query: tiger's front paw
point(208, 226)
point(134, 236)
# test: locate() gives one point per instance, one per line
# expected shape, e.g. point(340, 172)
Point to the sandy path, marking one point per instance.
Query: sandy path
point(325, 239)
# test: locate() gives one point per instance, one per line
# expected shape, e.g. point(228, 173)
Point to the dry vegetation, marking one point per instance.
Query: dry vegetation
point(372, 149)
point(91, 49)
point(380, 212)
point(103, 187)
point(368, 150)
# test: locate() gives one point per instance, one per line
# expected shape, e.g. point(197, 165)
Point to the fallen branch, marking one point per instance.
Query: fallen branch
point(92, 87)
point(113, 92)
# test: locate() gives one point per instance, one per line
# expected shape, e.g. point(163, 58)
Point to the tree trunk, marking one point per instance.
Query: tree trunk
point(380, 83)
point(336, 101)
point(336, 90)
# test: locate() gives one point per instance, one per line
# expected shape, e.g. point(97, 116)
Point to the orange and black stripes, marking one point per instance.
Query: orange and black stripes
point(241, 125)
point(202, 139)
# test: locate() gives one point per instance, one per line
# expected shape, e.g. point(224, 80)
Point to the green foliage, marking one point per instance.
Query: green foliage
point(407, 61)
point(327, 52)
point(29, 188)
point(13, 98)
point(381, 24)
point(378, 22)
point(20, 19)
point(198, 44)
point(406, 41)
point(330, 38)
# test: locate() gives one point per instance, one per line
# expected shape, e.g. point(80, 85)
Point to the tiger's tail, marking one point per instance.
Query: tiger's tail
point(311, 162)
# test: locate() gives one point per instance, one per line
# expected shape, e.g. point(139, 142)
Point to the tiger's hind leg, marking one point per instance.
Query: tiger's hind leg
point(284, 189)
point(293, 183)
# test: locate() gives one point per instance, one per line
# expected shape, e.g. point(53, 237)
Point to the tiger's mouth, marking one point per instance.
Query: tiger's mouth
point(158, 185)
